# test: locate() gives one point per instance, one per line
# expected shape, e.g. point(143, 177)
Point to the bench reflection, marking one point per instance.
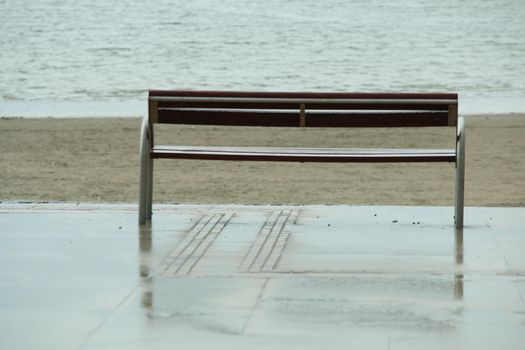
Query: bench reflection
point(147, 275)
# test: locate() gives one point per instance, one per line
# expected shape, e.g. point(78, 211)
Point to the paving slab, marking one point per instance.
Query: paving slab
point(87, 276)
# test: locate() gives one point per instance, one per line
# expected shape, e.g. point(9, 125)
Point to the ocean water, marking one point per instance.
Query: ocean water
point(90, 57)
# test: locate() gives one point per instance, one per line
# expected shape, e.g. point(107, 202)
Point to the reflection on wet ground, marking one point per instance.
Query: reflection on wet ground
point(260, 276)
point(458, 276)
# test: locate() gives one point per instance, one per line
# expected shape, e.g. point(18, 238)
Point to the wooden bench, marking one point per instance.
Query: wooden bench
point(310, 110)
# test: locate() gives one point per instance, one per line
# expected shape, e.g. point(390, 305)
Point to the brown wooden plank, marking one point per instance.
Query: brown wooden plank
point(377, 119)
point(304, 154)
point(227, 105)
point(231, 118)
point(274, 94)
point(292, 118)
point(296, 106)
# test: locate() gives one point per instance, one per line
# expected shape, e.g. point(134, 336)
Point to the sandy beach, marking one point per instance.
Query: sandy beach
point(96, 159)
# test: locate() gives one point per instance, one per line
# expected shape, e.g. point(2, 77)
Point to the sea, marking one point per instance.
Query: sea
point(99, 57)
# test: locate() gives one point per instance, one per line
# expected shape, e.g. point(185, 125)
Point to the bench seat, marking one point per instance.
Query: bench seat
point(344, 155)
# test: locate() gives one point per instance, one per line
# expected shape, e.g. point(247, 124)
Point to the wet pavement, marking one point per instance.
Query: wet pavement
point(86, 276)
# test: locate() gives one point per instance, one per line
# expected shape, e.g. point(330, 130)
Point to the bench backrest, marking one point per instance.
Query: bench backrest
point(299, 109)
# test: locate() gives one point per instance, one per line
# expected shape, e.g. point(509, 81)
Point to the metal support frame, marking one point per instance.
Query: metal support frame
point(460, 173)
point(146, 173)
point(146, 144)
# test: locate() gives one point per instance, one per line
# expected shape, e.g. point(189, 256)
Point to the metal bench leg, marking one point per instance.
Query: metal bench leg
point(145, 173)
point(149, 188)
point(460, 173)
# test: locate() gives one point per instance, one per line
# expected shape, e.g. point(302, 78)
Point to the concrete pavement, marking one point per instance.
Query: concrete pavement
point(86, 276)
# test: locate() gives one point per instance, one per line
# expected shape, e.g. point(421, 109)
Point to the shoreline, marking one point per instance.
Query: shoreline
point(96, 160)
point(468, 106)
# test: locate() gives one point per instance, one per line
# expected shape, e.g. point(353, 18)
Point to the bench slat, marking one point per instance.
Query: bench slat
point(354, 155)
point(377, 119)
point(309, 95)
point(309, 104)
point(284, 118)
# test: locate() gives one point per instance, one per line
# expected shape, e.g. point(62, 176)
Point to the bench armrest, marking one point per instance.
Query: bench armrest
point(145, 170)
point(460, 140)
point(460, 172)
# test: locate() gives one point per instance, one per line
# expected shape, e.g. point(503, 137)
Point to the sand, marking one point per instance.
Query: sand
point(96, 159)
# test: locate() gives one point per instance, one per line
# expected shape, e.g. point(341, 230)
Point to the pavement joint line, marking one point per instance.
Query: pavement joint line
point(257, 302)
